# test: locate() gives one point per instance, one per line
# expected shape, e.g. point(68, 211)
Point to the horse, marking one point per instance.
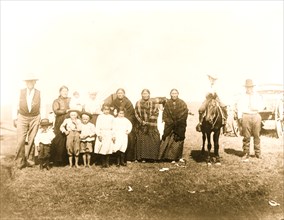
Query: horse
point(212, 122)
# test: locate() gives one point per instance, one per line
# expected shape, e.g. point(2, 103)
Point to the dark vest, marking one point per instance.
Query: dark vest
point(23, 106)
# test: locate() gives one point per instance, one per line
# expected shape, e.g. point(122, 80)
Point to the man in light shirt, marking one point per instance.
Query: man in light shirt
point(249, 119)
point(27, 122)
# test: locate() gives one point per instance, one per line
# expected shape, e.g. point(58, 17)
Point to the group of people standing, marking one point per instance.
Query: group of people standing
point(116, 127)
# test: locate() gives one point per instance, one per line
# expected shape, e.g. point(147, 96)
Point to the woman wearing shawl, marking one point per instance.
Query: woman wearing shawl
point(148, 137)
point(121, 101)
point(174, 115)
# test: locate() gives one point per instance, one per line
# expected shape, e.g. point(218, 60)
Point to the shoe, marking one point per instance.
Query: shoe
point(258, 156)
point(21, 166)
point(30, 163)
point(245, 158)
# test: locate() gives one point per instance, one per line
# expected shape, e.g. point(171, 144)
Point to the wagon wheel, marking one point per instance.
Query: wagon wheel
point(235, 126)
point(279, 122)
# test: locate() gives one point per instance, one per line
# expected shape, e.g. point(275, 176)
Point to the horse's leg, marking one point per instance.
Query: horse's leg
point(208, 134)
point(203, 143)
point(216, 145)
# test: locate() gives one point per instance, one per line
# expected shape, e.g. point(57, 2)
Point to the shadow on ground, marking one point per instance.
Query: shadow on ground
point(234, 152)
point(198, 157)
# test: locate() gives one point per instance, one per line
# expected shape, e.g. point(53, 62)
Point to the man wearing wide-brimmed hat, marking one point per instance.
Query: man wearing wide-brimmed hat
point(27, 123)
point(249, 119)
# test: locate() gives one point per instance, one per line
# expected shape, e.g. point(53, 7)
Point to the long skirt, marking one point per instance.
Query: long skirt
point(148, 144)
point(171, 149)
point(131, 151)
point(58, 149)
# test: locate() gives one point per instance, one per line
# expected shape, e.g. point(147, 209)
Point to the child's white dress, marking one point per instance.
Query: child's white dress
point(104, 128)
point(121, 128)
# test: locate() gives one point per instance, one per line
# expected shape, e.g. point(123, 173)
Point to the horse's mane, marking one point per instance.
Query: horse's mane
point(213, 115)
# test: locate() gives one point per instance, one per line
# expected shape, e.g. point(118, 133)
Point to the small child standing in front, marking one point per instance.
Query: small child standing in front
point(42, 142)
point(105, 139)
point(72, 128)
point(121, 128)
point(87, 137)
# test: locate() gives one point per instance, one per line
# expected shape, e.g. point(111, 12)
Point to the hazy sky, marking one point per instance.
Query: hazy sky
point(140, 44)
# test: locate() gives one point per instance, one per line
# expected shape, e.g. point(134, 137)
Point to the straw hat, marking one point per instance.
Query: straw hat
point(73, 110)
point(29, 77)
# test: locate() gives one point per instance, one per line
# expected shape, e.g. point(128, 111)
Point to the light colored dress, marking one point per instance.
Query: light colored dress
point(104, 128)
point(121, 128)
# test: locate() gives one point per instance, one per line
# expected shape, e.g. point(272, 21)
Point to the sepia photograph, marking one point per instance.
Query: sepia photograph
point(142, 110)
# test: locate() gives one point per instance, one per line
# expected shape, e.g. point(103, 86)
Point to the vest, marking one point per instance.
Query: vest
point(23, 106)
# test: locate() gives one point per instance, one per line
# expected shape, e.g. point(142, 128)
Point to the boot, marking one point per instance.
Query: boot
point(107, 160)
point(47, 164)
point(103, 158)
point(40, 164)
point(118, 159)
point(122, 159)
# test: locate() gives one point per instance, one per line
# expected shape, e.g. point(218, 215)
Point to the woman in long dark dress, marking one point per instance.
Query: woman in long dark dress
point(174, 115)
point(148, 136)
point(121, 101)
point(60, 107)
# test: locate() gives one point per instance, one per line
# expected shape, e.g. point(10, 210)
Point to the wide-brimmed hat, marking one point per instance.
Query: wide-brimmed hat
point(86, 113)
point(213, 76)
point(29, 77)
point(73, 110)
point(249, 83)
point(45, 122)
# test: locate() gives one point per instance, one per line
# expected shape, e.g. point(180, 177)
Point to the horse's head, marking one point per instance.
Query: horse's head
point(211, 111)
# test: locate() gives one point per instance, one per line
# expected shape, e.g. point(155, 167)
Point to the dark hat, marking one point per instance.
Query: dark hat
point(45, 122)
point(86, 113)
point(73, 110)
point(249, 83)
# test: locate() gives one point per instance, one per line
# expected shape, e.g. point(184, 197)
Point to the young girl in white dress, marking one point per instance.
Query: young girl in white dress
point(105, 136)
point(121, 128)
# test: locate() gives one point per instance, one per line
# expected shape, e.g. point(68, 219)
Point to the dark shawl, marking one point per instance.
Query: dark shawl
point(175, 115)
point(126, 104)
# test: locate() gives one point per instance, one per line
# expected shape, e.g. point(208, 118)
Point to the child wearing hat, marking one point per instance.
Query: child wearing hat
point(87, 137)
point(121, 128)
point(42, 142)
point(105, 138)
point(72, 128)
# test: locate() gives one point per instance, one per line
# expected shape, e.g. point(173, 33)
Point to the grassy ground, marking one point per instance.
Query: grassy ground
point(234, 190)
